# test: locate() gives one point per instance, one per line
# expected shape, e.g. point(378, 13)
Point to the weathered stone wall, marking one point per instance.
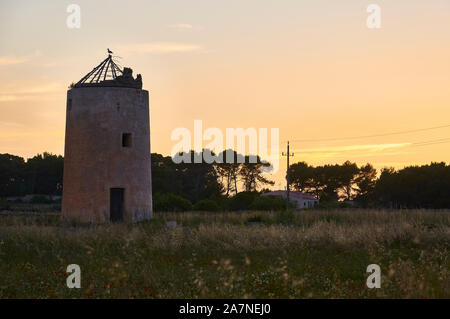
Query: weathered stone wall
point(94, 159)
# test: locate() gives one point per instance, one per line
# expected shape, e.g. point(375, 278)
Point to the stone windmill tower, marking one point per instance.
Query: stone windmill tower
point(107, 171)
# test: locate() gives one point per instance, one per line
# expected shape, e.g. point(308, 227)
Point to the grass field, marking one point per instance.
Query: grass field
point(308, 254)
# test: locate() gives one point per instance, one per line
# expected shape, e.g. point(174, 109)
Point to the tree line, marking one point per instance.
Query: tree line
point(174, 186)
point(197, 181)
point(426, 186)
point(212, 184)
point(41, 174)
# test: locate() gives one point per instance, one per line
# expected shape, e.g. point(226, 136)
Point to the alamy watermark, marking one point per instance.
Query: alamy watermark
point(374, 279)
point(73, 20)
point(374, 19)
point(74, 279)
point(212, 152)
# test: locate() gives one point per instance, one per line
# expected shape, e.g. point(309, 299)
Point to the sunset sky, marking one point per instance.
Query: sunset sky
point(313, 69)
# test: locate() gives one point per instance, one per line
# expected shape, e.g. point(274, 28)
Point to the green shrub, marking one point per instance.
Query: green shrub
point(242, 201)
point(40, 199)
point(207, 205)
point(4, 205)
point(170, 203)
point(274, 203)
point(222, 201)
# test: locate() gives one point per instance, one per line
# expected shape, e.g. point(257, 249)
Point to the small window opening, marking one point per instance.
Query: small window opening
point(69, 104)
point(126, 140)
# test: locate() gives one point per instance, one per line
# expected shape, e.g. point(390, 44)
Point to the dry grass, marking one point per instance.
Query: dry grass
point(291, 255)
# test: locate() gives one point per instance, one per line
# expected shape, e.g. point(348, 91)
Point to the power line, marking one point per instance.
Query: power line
point(370, 136)
point(432, 142)
point(415, 144)
point(287, 154)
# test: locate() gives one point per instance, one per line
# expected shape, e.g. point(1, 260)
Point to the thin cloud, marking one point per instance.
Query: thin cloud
point(35, 89)
point(352, 148)
point(359, 153)
point(157, 48)
point(43, 88)
point(12, 60)
point(361, 156)
point(334, 151)
point(7, 98)
point(8, 60)
point(21, 93)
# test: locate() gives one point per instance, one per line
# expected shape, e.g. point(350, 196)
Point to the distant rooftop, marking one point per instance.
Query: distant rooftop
point(293, 194)
point(109, 74)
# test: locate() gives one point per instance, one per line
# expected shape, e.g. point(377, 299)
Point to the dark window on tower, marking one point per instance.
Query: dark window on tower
point(126, 139)
point(69, 104)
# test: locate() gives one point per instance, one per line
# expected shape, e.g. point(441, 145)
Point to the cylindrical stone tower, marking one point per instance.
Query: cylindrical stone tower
point(107, 169)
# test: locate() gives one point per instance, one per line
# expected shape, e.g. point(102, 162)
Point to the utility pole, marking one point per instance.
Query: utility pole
point(287, 154)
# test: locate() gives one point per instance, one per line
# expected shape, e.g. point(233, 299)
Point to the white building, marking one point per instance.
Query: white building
point(302, 200)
